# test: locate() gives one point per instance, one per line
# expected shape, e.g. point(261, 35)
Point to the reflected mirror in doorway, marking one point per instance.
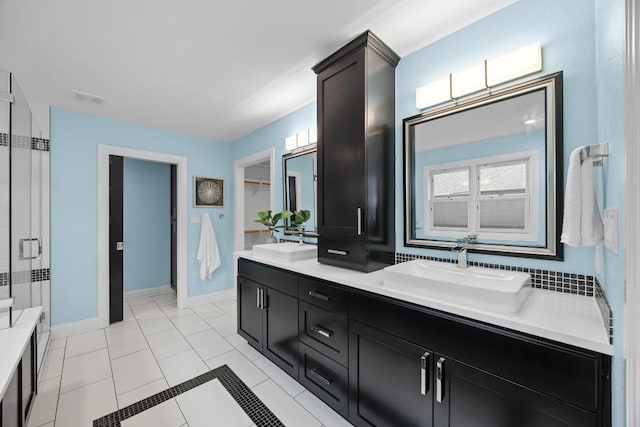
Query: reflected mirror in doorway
point(208, 192)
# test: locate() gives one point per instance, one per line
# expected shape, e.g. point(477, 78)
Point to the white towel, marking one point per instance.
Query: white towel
point(582, 223)
point(208, 254)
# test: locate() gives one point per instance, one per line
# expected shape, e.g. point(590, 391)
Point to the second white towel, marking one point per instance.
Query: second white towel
point(208, 254)
point(582, 223)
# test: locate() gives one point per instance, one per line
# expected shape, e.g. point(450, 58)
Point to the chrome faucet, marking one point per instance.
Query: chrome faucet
point(300, 235)
point(461, 249)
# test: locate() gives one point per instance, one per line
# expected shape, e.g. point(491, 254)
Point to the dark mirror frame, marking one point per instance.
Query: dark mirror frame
point(312, 148)
point(554, 168)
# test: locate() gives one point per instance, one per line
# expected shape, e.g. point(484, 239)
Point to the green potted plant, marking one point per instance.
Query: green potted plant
point(298, 218)
point(271, 222)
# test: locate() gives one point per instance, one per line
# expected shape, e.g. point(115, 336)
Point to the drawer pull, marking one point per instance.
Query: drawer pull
point(318, 330)
point(319, 296)
point(423, 372)
point(439, 379)
point(337, 252)
point(321, 377)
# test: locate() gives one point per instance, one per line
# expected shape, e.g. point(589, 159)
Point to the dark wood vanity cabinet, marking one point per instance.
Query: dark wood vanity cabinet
point(18, 398)
point(268, 317)
point(356, 155)
point(378, 361)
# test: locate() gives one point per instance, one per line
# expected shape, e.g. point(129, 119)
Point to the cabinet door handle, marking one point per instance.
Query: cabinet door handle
point(423, 372)
point(263, 299)
point(440, 379)
point(258, 298)
point(321, 377)
point(319, 296)
point(321, 331)
point(337, 252)
point(359, 221)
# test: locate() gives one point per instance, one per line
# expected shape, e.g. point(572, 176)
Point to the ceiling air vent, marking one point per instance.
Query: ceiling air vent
point(88, 97)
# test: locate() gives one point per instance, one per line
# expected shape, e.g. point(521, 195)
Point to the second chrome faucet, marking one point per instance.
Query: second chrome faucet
point(461, 249)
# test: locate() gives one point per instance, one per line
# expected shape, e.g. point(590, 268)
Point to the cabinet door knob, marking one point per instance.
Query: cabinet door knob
point(424, 366)
point(440, 379)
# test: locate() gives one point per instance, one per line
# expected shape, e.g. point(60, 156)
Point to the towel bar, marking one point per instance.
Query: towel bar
point(596, 152)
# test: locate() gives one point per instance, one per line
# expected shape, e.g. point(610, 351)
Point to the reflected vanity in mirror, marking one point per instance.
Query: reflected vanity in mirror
point(299, 177)
point(489, 166)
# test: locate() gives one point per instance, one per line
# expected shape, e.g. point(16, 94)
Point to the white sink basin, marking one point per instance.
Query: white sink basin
point(287, 251)
point(496, 290)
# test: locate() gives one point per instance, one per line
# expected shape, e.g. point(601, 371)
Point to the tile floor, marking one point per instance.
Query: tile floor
point(155, 347)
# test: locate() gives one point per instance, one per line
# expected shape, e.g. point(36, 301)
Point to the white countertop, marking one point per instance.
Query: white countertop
point(13, 341)
point(566, 318)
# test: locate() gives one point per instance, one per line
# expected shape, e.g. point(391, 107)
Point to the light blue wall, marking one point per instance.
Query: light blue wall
point(273, 136)
point(609, 42)
point(74, 140)
point(147, 221)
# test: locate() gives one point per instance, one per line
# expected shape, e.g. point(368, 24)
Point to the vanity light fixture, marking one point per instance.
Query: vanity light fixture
point(301, 139)
point(489, 73)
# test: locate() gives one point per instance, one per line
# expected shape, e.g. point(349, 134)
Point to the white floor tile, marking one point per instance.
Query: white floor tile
point(58, 343)
point(85, 343)
point(82, 405)
point(119, 328)
point(243, 368)
point(291, 386)
point(138, 300)
point(225, 302)
point(209, 344)
point(135, 370)
point(172, 311)
point(320, 410)
point(137, 394)
point(284, 406)
point(165, 299)
point(147, 311)
point(166, 414)
point(51, 424)
point(85, 369)
point(230, 309)
point(167, 343)
point(189, 325)
point(224, 324)
point(155, 325)
point(127, 314)
point(182, 367)
point(52, 366)
point(209, 402)
point(243, 347)
point(45, 403)
point(207, 311)
point(126, 343)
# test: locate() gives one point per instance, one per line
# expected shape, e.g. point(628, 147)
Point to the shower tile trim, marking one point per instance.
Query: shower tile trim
point(19, 141)
point(255, 409)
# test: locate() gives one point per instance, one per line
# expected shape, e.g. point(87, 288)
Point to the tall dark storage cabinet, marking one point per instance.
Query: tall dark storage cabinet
point(356, 155)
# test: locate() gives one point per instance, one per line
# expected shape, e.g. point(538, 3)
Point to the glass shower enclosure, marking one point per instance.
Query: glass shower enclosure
point(24, 212)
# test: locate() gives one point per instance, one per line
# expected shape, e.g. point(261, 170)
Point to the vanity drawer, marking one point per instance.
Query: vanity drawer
point(324, 331)
point(325, 296)
point(325, 378)
point(274, 278)
point(347, 252)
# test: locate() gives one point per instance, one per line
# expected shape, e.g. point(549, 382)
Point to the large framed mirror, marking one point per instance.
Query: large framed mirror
point(488, 167)
point(300, 181)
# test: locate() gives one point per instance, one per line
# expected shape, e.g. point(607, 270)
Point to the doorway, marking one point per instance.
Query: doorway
point(142, 230)
point(104, 151)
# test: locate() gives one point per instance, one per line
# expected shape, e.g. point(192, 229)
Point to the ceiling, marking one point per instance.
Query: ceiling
point(216, 69)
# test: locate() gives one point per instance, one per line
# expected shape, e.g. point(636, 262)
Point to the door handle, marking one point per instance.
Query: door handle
point(423, 372)
point(440, 379)
point(337, 252)
point(258, 299)
point(263, 299)
point(119, 246)
point(321, 331)
point(359, 221)
point(319, 296)
point(321, 377)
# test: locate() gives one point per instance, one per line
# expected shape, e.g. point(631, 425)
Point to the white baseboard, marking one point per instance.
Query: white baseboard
point(148, 292)
point(74, 328)
point(212, 297)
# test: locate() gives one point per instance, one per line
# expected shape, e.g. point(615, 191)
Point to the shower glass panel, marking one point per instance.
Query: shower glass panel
point(5, 290)
point(23, 247)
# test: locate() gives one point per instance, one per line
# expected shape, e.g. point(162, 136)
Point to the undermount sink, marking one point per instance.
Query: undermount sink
point(496, 290)
point(287, 251)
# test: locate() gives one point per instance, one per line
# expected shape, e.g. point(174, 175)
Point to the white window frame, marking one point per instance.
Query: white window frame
point(473, 165)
